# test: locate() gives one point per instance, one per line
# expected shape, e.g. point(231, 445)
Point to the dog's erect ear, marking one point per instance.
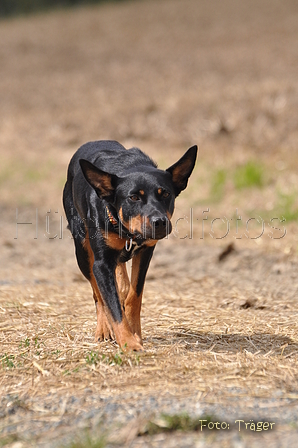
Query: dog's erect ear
point(182, 169)
point(103, 183)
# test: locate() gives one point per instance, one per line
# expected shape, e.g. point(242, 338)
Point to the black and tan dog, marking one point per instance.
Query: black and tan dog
point(118, 205)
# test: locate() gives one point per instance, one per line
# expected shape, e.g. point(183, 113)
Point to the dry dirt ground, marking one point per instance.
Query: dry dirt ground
point(220, 326)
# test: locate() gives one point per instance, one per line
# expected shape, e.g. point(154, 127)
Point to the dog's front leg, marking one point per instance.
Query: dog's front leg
point(133, 302)
point(104, 268)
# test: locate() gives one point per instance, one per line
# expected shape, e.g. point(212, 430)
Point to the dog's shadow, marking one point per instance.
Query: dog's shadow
point(255, 343)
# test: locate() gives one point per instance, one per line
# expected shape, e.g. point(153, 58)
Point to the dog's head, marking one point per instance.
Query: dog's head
point(143, 198)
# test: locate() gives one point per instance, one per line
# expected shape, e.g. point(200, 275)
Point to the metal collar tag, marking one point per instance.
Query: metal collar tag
point(128, 248)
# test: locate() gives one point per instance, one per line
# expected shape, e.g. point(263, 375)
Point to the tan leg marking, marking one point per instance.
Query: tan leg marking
point(133, 301)
point(103, 328)
point(125, 338)
point(123, 283)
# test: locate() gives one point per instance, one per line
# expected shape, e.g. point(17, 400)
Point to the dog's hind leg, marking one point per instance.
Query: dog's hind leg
point(123, 283)
point(133, 302)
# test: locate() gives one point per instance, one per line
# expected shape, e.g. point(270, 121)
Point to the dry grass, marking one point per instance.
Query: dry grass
point(216, 333)
point(199, 347)
point(195, 343)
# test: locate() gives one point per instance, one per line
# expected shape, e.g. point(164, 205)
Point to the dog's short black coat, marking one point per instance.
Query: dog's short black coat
point(118, 205)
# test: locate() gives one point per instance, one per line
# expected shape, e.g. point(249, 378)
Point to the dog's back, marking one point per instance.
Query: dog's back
point(109, 156)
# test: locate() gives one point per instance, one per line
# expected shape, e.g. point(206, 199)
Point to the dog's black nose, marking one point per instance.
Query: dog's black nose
point(159, 222)
point(161, 227)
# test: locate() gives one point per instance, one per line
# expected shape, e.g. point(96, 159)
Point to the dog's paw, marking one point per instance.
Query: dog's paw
point(127, 340)
point(138, 338)
point(131, 344)
point(104, 331)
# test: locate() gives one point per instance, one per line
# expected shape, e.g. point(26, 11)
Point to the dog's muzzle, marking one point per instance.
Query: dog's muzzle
point(160, 227)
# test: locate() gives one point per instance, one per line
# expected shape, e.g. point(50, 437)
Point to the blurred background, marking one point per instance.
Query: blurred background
point(161, 75)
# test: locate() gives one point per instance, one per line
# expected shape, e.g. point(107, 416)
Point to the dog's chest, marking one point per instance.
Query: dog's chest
point(130, 249)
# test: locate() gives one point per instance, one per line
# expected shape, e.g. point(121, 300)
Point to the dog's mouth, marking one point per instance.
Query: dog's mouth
point(144, 228)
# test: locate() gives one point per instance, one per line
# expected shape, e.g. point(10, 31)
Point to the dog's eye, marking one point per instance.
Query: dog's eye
point(134, 198)
point(163, 194)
